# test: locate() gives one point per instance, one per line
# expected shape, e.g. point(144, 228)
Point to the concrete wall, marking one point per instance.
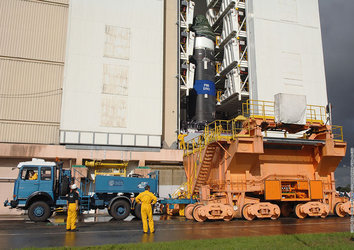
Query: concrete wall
point(170, 101)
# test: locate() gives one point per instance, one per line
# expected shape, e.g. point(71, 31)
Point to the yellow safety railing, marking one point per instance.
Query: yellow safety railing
point(265, 110)
point(218, 130)
point(217, 67)
point(108, 168)
point(218, 95)
point(181, 191)
point(258, 109)
point(337, 132)
point(316, 114)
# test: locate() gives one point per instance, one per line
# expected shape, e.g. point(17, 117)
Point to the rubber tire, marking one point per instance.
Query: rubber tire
point(32, 208)
point(109, 212)
point(116, 205)
point(64, 187)
point(137, 211)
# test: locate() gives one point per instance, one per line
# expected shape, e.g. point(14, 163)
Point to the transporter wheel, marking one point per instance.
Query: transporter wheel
point(196, 215)
point(228, 218)
point(246, 214)
point(120, 209)
point(324, 215)
point(39, 211)
point(188, 211)
point(277, 215)
point(298, 212)
point(337, 211)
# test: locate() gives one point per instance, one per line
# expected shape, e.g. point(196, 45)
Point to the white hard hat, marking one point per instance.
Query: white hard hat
point(182, 188)
point(73, 186)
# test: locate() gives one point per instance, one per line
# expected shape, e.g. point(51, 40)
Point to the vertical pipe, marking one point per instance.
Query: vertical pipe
point(352, 190)
point(178, 65)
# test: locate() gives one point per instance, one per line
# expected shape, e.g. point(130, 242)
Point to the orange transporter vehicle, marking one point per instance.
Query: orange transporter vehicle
point(238, 168)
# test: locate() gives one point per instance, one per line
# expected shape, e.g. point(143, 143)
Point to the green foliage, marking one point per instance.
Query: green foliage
point(344, 189)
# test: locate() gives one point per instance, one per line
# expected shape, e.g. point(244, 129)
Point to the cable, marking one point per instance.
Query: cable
point(35, 93)
point(35, 96)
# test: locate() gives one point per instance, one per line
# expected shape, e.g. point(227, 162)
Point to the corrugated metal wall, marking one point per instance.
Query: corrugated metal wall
point(33, 29)
point(32, 54)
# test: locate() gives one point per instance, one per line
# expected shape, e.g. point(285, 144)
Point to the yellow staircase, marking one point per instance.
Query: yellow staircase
point(204, 168)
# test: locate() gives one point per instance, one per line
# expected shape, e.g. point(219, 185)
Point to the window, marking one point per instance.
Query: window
point(29, 173)
point(46, 174)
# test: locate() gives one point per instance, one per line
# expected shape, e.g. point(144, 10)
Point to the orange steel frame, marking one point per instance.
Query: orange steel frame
point(250, 177)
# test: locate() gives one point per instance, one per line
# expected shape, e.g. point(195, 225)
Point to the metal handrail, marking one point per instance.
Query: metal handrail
point(337, 132)
point(218, 130)
point(265, 110)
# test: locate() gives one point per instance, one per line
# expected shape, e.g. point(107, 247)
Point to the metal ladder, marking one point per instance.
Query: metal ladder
point(84, 190)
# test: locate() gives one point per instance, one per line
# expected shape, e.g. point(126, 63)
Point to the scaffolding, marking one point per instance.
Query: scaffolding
point(228, 19)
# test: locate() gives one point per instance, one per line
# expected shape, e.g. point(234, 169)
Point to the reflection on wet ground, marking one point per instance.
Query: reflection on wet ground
point(98, 230)
point(60, 219)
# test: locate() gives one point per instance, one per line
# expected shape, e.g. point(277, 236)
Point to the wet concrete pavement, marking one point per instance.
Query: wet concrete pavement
point(102, 230)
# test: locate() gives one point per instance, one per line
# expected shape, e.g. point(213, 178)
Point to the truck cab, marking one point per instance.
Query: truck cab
point(39, 188)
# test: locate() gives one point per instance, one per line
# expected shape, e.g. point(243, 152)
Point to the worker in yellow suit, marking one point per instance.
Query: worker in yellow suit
point(182, 143)
point(73, 207)
point(147, 198)
point(32, 175)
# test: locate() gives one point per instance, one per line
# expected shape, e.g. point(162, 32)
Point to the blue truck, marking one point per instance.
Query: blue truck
point(42, 187)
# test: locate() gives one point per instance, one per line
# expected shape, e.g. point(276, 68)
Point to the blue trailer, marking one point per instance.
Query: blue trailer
point(45, 193)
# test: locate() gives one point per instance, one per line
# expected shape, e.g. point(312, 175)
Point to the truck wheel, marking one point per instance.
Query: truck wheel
point(64, 187)
point(120, 210)
point(137, 211)
point(39, 211)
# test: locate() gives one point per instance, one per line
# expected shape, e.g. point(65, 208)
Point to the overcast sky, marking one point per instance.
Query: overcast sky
point(337, 23)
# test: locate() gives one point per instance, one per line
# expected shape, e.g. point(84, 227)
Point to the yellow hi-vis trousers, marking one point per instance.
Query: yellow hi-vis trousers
point(72, 216)
point(146, 213)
